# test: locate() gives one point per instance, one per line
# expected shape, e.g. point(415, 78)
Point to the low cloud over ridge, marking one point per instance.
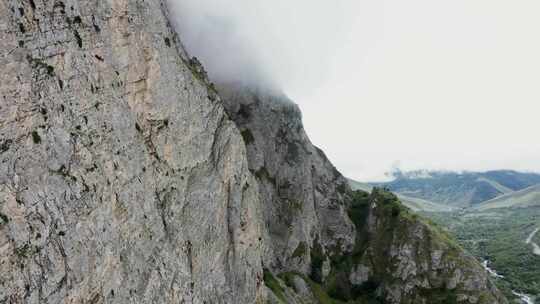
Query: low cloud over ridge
point(284, 43)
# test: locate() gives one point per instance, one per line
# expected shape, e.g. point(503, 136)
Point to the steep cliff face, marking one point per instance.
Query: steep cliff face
point(401, 258)
point(302, 194)
point(326, 243)
point(123, 179)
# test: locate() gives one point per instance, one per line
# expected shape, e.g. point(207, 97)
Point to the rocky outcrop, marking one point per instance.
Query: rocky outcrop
point(405, 259)
point(303, 196)
point(121, 178)
point(124, 178)
point(327, 243)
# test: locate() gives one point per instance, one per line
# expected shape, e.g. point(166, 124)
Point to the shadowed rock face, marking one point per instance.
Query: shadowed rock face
point(124, 180)
point(304, 197)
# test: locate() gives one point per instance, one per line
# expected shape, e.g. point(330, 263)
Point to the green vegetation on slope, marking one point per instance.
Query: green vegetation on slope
point(413, 203)
point(527, 197)
point(274, 285)
point(394, 228)
point(499, 236)
point(381, 214)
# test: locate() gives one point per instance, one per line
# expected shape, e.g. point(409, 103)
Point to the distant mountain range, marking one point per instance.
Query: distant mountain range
point(432, 190)
point(414, 203)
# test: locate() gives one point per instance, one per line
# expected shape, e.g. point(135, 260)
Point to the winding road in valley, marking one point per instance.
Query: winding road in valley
point(536, 248)
point(526, 299)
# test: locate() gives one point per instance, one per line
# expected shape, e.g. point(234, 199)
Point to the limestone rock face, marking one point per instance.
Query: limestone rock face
point(303, 196)
point(344, 245)
point(121, 178)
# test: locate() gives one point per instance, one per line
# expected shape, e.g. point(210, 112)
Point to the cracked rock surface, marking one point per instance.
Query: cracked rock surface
point(122, 180)
point(303, 195)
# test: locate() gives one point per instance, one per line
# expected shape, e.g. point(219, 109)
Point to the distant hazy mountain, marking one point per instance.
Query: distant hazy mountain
point(459, 189)
point(356, 185)
point(415, 204)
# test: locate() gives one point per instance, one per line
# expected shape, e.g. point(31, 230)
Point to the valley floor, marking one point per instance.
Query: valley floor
point(505, 237)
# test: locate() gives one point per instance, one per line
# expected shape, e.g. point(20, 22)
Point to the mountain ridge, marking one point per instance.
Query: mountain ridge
point(459, 189)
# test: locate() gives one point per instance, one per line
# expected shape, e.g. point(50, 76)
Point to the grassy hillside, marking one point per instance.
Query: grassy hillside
point(528, 197)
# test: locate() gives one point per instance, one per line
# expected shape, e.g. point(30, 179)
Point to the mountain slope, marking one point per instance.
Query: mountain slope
point(415, 204)
point(527, 197)
point(460, 189)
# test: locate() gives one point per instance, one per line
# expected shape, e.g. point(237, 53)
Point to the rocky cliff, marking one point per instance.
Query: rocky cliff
point(122, 179)
point(328, 244)
point(125, 178)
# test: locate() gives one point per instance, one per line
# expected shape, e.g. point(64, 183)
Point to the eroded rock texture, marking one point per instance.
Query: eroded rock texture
point(303, 195)
point(122, 180)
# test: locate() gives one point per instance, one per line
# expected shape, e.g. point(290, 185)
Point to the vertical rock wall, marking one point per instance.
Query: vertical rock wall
point(304, 197)
point(121, 178)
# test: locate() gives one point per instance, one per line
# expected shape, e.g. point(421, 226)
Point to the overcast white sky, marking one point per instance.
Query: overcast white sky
point(423, 84)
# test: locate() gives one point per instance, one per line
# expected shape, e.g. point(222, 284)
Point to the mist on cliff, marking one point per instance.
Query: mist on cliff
point(428, 84)
point(287, 44)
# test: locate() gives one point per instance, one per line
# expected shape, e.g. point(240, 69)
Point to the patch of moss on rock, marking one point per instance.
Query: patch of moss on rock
point(4, 219)
point(320, 294)
point(295, 205)
point(247, 136)
point(317, 260)
point(273, 284)
point(35, 137)
point(26, 251)
point(263, 173)
point(300, 250)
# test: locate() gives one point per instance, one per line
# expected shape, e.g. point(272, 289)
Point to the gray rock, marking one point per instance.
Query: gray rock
point(359, 275)
point(121, 175)
point(301, 288)
point(303, 195)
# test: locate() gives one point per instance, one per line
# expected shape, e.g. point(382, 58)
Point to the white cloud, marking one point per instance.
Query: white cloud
point(430, 83)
